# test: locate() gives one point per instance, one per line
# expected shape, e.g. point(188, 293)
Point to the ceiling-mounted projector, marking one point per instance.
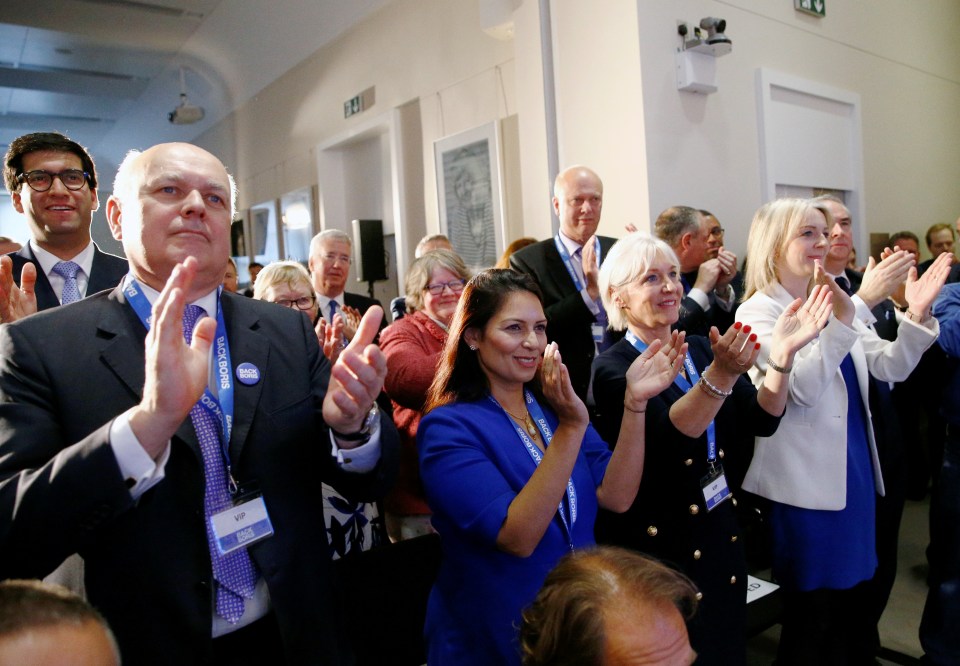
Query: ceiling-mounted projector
point(186, 113)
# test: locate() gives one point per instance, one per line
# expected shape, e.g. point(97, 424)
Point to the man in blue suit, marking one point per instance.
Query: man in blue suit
point(176, 438)
point(53, 183)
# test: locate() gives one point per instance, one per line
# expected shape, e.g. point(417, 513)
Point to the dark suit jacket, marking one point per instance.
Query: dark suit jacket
point(147, 562)
point(695, 321)
point(568, 317)
point(106, 273)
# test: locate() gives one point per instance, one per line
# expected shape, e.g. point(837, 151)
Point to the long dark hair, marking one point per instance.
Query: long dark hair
point(460, 376)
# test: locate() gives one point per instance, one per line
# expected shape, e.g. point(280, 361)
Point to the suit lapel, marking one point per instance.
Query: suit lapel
point(46, 298)
point(247, 345)
point(101, 275)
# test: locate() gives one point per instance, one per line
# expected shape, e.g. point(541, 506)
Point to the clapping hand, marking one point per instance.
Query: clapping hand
point(330, 337)
point(356, 378)
point(351, 321)
point(654, 370)
point(843, 308)
point(801, 322)
point(882, 279)
point(557, 389)
point(921, 293)
point(17, 302)
point(733, 353)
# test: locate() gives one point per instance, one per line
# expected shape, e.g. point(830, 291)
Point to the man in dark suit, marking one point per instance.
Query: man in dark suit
point(117, 445)
point(329, 263)
point(566, 268)
point(53, 182)
point(707, 269)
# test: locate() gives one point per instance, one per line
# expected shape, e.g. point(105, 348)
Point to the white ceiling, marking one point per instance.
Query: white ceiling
point(106, 72)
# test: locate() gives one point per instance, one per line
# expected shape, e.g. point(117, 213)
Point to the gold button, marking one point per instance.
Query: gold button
point(697, 554)
point(699, 596)
point(734, 500)
point(694, 509)
point(720, 453)
point(733, 580)
point(733, 539)
point(688, 462)
point(652, 530)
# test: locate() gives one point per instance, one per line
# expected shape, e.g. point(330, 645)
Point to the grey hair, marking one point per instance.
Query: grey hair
point(328, 234)
point(628, 259)
point(676, 221)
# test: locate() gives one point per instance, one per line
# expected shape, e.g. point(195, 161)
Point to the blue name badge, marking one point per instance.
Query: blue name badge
point(715, 489)
point(241, 525)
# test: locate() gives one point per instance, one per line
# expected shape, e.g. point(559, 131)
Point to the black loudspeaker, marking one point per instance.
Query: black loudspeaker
point(368, 250)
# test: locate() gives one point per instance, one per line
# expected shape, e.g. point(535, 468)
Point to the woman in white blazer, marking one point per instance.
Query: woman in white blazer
point(820, 469)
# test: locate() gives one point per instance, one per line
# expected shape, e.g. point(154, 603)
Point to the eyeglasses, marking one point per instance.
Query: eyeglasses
point(302, 303)
point(455, 286)
point(716, 231)
point(334, 258)
point(41, 181)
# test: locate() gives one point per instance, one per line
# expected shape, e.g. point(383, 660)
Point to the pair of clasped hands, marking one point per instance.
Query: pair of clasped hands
point(176, 373)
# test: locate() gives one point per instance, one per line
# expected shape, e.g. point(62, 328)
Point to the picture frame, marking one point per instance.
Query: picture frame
point(470, 194)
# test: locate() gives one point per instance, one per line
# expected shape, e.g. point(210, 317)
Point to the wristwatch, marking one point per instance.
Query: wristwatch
point(372, 417)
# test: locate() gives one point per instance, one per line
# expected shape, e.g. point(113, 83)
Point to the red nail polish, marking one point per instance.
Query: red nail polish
point(757, 346)
point(737, 325)
point(746, 329)
point(753, 337)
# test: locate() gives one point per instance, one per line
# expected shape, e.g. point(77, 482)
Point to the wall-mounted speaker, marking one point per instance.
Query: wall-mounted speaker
point(368, 250)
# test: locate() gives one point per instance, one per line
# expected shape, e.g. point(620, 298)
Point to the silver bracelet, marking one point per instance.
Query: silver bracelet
point(712, 390)
point(778, 368)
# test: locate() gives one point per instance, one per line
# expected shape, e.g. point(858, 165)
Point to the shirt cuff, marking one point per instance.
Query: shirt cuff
point(359, 459)
point(591, 304)
point(863, 313)
point(700, 298)
point(139, 470)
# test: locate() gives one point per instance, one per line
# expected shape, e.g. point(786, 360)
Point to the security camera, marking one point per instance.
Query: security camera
point(715, 28)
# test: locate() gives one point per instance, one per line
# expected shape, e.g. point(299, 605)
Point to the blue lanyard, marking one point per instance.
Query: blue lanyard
point(685, 386)
point(221, 405)
point(565, 257)
point(537, 413)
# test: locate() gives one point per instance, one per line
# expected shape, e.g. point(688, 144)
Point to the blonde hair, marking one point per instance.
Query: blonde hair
point(628, 259)
point(291, 273)
point(774, 225)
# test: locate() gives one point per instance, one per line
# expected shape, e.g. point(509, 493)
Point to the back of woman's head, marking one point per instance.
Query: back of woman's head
point(460, 376)
point(774, 224)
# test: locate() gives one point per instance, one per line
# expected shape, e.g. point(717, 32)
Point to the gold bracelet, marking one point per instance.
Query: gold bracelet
point(778, 368)
point(913, 316)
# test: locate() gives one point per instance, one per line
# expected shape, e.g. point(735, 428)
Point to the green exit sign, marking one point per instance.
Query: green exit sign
point(352, 106)
point(817, 8)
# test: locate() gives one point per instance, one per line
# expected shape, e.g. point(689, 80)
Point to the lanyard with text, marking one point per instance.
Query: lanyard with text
point(219, 406)
point(537, 456)
point(565, 256)
point(685, 386)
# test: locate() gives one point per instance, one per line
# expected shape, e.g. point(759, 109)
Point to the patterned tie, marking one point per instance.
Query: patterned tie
point(234, 574)
point(68, 271)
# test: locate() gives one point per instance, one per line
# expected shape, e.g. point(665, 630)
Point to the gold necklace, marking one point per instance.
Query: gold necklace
point(526, 421)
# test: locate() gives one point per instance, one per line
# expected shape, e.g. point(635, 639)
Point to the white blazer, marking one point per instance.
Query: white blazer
point(804, 463)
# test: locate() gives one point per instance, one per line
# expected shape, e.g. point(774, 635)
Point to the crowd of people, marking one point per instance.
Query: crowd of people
point(637, 393)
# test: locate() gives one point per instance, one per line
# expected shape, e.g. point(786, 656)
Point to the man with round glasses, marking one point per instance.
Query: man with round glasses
point(53, 183)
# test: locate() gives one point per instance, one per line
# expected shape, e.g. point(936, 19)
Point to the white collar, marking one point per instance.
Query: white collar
point(48, 260)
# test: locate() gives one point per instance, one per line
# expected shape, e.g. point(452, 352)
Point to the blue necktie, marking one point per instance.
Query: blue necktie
point(333, 309)
point(234, 574)
point(68, 271)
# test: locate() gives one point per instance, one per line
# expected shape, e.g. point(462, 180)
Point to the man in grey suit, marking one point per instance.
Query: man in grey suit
point(185, 467)
point(53, 183)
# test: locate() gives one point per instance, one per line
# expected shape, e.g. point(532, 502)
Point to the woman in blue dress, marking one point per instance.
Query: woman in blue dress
point(820, 469)
point(513, 470)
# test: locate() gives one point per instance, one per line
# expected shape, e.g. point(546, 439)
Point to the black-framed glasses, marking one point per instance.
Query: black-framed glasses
point(456, 286)
point(302, 303)
point(41, 181)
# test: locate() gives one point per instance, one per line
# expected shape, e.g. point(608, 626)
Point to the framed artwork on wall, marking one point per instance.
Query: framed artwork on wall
point(469, 189)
